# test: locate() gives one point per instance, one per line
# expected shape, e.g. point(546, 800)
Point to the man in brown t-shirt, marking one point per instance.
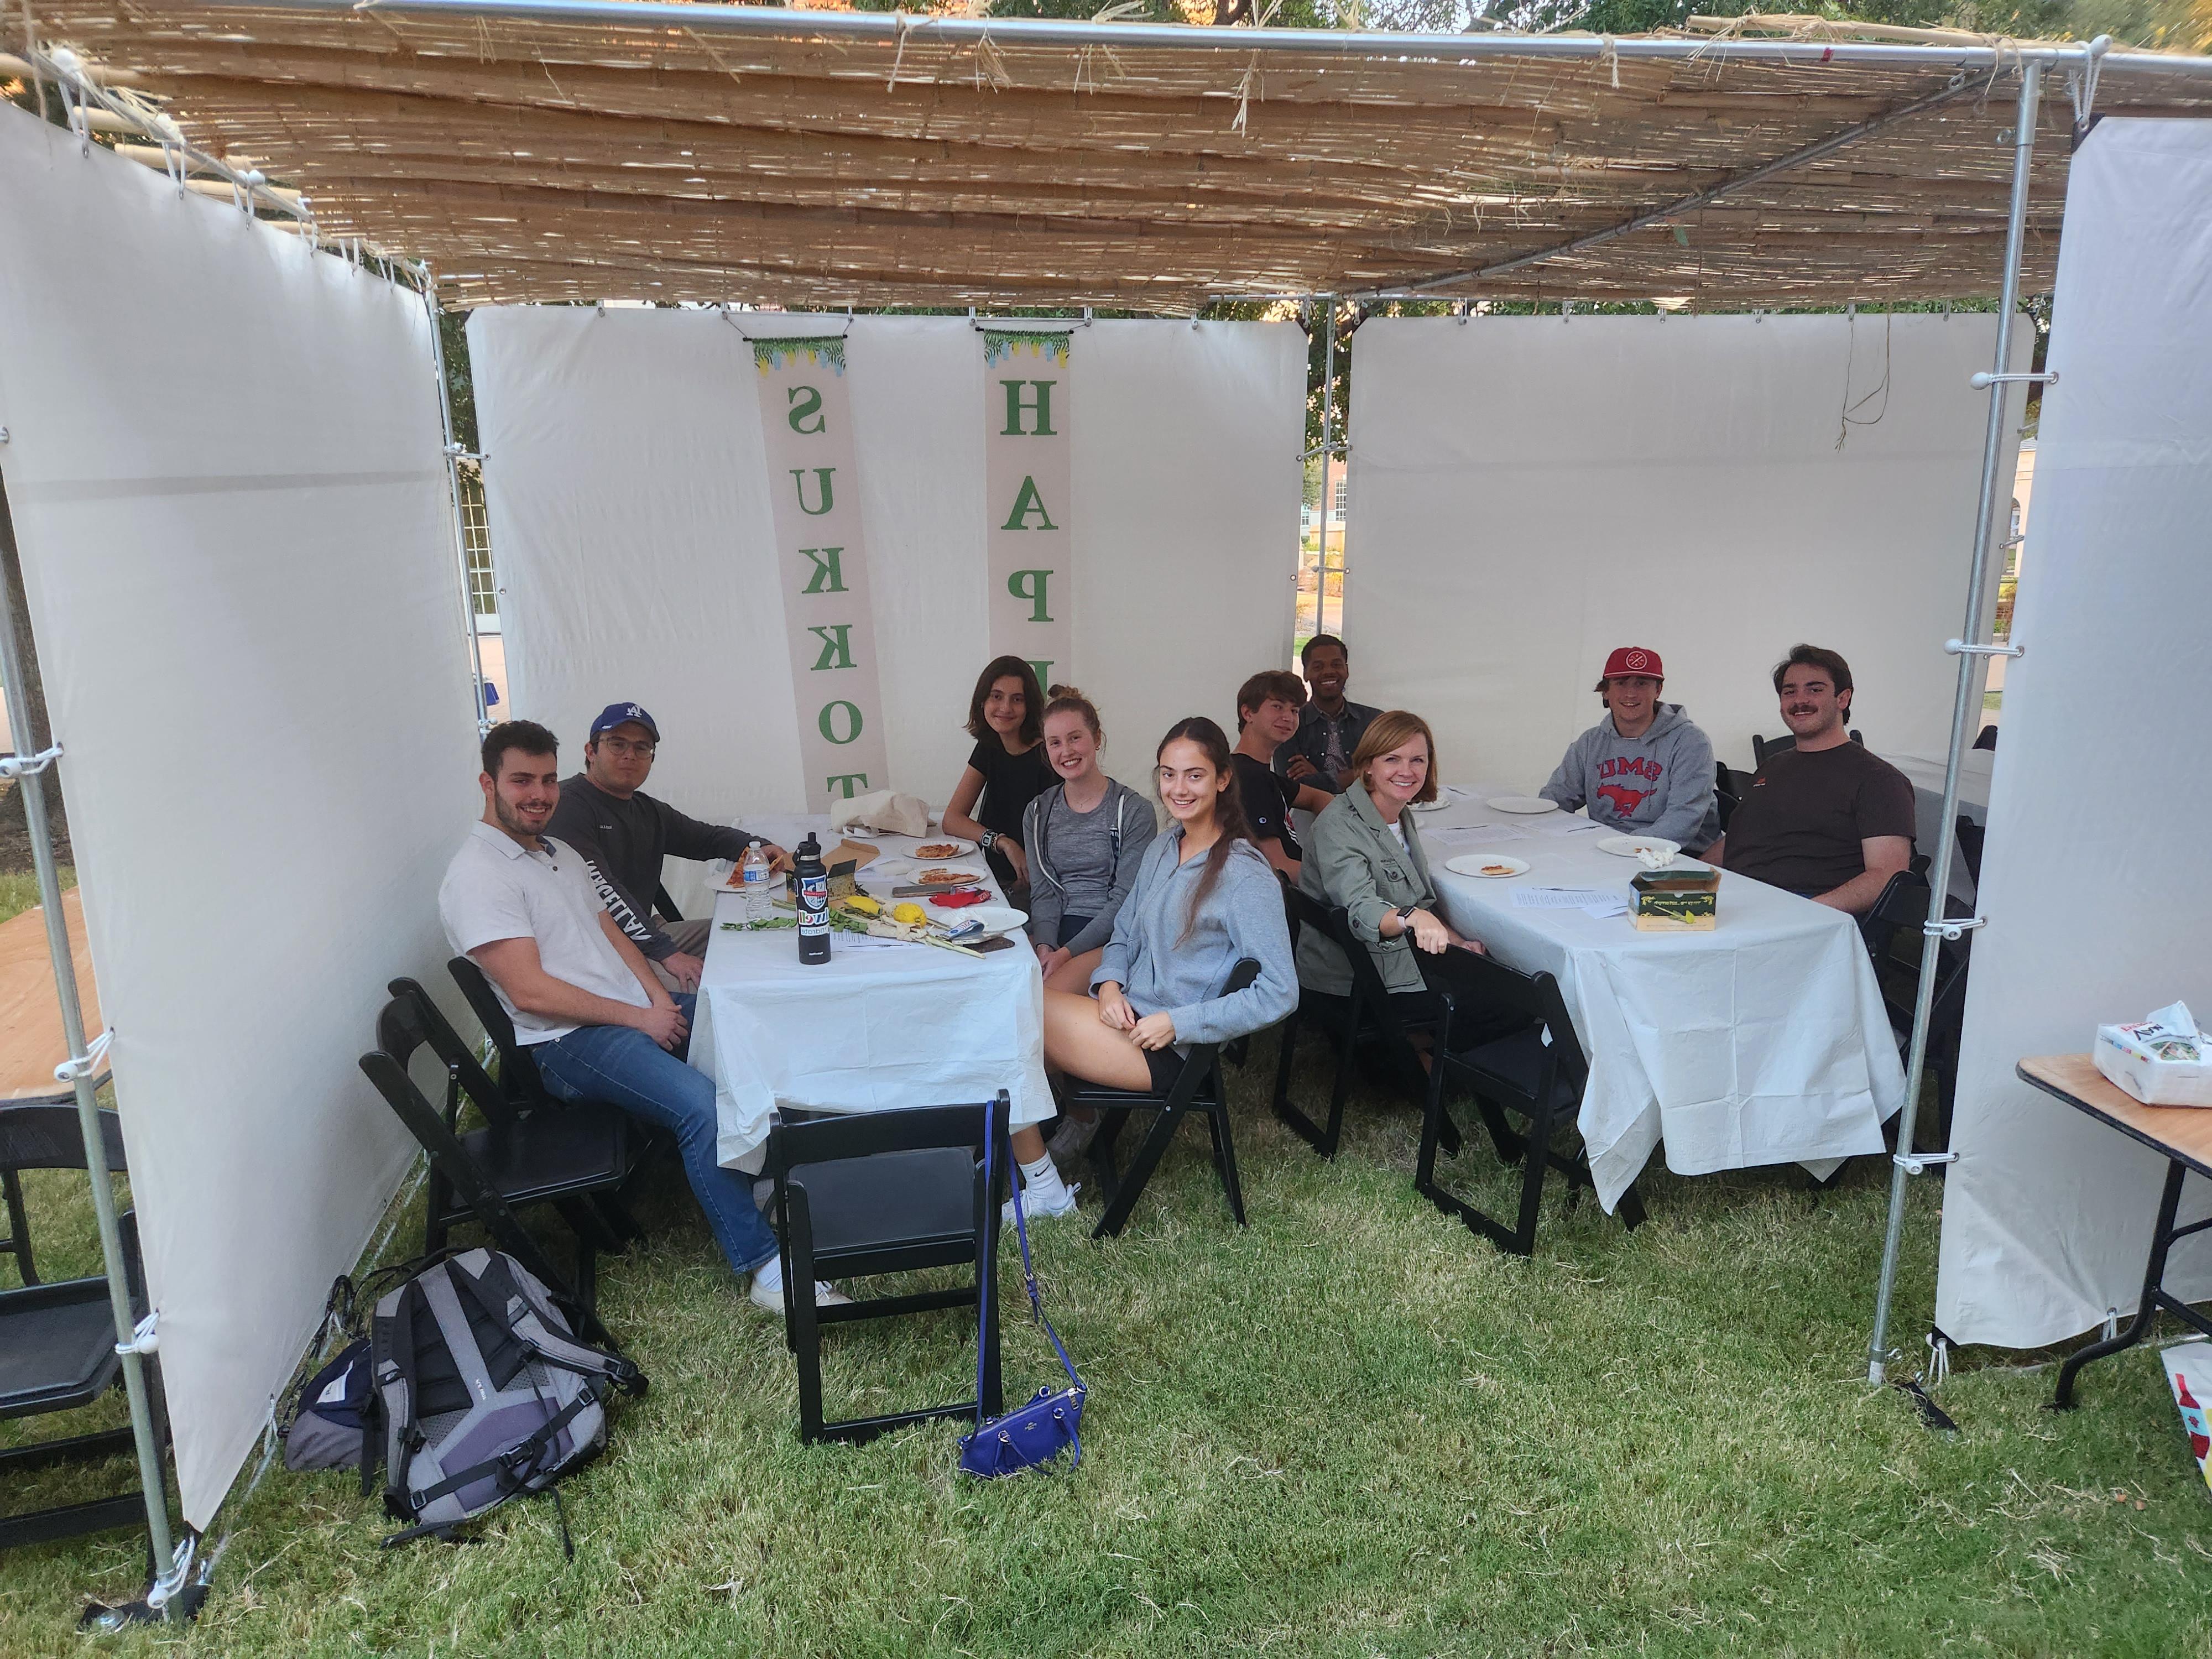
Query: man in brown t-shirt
point(1825, 819)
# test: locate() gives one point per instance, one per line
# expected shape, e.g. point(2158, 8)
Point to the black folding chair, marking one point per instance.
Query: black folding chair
point(1367, 1017)
point(1762, 747)
point(886, 1193)
point(459, 1058)
point(1897, 915)
point(520, 1086)
point(1724, 793)
point(1970, 845)
point(58, 1340)
point(563, 1157)
point(1197, 1089)
point(1539, 1072)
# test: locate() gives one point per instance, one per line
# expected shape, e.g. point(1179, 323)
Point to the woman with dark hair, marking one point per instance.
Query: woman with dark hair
point(1006, 769)
point(1364, 855)
point(1205, 897)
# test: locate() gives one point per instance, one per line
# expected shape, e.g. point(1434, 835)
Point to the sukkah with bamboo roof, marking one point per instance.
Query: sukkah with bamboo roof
point(585, 150)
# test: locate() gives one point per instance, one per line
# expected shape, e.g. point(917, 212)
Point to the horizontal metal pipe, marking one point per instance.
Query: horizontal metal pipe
point(889, 28)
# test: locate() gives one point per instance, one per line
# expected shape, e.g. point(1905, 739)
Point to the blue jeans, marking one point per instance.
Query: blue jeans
point(628, 1070)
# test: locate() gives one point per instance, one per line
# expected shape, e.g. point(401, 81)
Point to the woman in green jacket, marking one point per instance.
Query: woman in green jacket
point(1364, 854)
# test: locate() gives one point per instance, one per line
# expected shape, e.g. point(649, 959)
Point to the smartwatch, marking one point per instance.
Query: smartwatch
point(1405, 915)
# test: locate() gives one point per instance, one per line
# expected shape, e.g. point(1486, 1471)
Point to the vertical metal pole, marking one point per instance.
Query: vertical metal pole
point(1962, 712)
point(453, 453)
point(29, 785)
point(1327, 447)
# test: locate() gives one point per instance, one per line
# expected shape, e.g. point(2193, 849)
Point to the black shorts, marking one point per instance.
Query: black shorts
point(1166, 1066)
point(1070, 926)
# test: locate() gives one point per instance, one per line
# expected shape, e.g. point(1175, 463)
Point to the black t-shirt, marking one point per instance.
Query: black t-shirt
point(1802, 820)
point(1010, 783)
point(1268, 797)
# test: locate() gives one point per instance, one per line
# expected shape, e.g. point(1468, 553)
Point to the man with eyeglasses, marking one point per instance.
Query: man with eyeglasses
point(622, 834)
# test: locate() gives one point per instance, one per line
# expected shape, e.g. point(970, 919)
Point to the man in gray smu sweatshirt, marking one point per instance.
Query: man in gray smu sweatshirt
point(1645, 768)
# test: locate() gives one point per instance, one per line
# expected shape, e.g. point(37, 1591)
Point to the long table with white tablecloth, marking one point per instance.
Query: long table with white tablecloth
point(879, 1027)
point(1762, 1042)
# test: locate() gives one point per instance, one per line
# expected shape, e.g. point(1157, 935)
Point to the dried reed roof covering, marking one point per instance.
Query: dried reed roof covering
point(532, 151)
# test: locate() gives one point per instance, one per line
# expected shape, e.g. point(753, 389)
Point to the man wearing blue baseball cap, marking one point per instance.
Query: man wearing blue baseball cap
point(623, 834)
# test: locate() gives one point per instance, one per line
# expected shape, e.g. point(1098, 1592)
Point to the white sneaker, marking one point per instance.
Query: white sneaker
point(1036, 1207)
point(825, 1296)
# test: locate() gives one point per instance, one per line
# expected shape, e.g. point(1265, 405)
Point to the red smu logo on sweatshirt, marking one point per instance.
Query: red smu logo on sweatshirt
point(1626, 798)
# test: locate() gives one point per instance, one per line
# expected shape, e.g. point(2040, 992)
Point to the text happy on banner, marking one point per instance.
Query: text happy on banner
point(821, 565)
point(1027, 467)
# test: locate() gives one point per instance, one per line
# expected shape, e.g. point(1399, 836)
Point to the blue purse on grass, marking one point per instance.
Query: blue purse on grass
point(1052, 1422)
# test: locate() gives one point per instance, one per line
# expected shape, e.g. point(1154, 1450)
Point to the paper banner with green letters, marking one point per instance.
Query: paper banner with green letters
point(821, 565)
point(1027, 467)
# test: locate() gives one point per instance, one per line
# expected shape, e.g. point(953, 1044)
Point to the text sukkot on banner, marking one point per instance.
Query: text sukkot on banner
point(1027, 465)
point(808, 427)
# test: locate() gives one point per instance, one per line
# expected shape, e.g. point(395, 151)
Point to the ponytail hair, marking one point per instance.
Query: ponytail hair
point(1228, 807)
point(1067, 699)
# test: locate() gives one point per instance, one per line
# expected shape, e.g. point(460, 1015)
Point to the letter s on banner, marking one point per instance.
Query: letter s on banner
point(821, 564)
point(1028, 464)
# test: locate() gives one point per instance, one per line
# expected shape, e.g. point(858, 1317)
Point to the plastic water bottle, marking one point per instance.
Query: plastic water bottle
point(753, 871)
point(813, 902)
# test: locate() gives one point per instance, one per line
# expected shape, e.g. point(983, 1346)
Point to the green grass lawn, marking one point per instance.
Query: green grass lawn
point(1352, 1430)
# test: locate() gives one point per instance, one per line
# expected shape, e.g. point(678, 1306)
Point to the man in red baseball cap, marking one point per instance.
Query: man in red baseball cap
point(1645, 768)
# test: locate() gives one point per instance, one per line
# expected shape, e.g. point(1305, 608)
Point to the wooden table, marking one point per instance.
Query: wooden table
point(2182, 1135)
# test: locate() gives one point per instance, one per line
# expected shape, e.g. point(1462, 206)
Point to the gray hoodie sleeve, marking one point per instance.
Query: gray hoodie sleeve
point(1689, 791)
point(1250, 899)
point(1570, 779)
point(1047, 902)
point(1138, 826)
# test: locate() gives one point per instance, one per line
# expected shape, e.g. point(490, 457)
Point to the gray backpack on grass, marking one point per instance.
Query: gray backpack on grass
point(483, 1392)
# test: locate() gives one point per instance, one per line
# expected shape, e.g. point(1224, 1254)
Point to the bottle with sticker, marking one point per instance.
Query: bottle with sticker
point(813, 901)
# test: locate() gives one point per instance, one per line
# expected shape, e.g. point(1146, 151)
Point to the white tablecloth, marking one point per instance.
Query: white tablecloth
point(876, 1027)
point(1763, 1042)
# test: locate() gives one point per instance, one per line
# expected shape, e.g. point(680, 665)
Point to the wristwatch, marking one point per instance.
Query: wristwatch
point(989, 840)
point(1406, 914)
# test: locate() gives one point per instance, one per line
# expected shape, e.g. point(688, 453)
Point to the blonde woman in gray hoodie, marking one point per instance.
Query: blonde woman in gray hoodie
point(1643, 768)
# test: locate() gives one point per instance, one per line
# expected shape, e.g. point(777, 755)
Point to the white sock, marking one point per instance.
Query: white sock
point(1042, 1177)
point(769, 1274)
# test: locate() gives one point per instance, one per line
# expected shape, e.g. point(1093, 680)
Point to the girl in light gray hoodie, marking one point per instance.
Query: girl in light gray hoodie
point(1659, 782)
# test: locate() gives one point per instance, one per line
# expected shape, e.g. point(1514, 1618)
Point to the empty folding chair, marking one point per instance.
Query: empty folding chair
point(58, 1340)
point(1197, 1089)
point(884, 1192)
point(1537, 1073)
point(561, 1157)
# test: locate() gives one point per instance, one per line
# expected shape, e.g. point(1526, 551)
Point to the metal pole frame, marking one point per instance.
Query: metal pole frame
point(454, 456)
point(132, 1344)
point(1327, 303)
point(1904, 1164)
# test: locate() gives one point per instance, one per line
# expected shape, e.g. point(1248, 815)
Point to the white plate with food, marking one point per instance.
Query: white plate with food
point(1496, 866)
point(942, 877)
point(934, 852)
point(1437, 805)
point(1634, 846)
point(1530, 805)
point(996, 919)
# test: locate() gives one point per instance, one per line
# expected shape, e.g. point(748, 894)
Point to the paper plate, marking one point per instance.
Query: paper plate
point(961, 849)
point(1529, 804)
point(1628, 847)
point(1496, 866)
point(1426, 806)
point(996, 919)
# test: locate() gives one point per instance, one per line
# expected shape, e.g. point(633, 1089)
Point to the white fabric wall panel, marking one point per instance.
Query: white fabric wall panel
point(2093, 879)
point(224, 466)
point(629, 520)
point(1528, 493)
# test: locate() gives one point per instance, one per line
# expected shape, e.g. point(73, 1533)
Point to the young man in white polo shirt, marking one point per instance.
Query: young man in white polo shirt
point(524, 907)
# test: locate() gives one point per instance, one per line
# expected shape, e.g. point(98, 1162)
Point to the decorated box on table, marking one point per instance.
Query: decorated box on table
point(1676, 900)
point(2164, 1061)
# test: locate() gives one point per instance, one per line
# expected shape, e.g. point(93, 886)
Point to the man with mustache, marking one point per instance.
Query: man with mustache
point(1824, 818)
point(584, 999)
